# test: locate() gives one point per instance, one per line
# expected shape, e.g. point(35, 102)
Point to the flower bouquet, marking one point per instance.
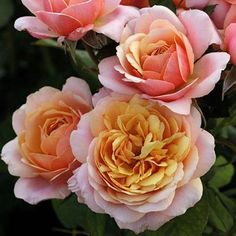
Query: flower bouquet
point(141, 140)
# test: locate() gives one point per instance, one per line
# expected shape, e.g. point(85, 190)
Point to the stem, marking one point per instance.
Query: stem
point(70, 46)
point(91, 53)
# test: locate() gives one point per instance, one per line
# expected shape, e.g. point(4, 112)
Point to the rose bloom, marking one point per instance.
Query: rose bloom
point(136, 3)
point(72, 19)
point(199, 4)
point(221, 14)
point(230, 41)
point(161, 57)
point(224, 17)
point(41, 154)
point(141, 161)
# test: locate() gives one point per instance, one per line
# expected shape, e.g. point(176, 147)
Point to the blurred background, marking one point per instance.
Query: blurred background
point(24, 68)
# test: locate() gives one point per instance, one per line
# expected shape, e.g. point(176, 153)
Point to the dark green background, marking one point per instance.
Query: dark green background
point(24, 68)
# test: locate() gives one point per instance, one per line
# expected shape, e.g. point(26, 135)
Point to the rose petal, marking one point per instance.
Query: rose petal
point(206, 152)
point(57, 5)
point(112, 79)
point(208, 69)
point(231, 16)
point(161, 12)
point(79, 87)
point(119, 211)
point(18, 120)
point(103, 92)
point(219, 13)
point(180, 106)
point(34, 100)
point(109, 6)
point(58, 22)
point(186, 196)
point(34, 190)
point(78, 184)
point(35, 27)
point(81, 138)
point(151, 221)
point(12, 157)
point(112, 25)
point(155, 87)
point(39, 5)
point(190, 166)
point(196, 4)
point(85, 12)
point(230, 41)
point(202, 34)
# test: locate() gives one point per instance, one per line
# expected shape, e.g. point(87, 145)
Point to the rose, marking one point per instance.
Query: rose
point(223, 13)
point(161, 57)
point(141, 161)
point(41, 154)
point(230, 41)
point(139, 3)
point(224, 17)
point(72, 19)
point(199, 4)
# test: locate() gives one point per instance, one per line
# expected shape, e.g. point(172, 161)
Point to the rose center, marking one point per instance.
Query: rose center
point(54, 124)
point(138, 152)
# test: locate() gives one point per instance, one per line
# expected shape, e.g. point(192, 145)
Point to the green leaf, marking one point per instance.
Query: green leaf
point(167, 3)
point(6, 11)
point(229, 203)
point(72, 215)
point(223, 173)
point(68, 212)
point(192, 223)
point(219, 216)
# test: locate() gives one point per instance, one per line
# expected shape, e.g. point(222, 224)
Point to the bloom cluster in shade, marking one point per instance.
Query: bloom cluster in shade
point(135, 150)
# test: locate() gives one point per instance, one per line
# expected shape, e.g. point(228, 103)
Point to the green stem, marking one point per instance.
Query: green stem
point(91, 53)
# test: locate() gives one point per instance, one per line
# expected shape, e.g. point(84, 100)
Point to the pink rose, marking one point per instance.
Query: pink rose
point(199, 4)
point(219, 13)
point(230, 41)
point(41, 154)
point(224, 17)
point(141, 161)
point(135, 3)
point(72, 19)
point(161, 57)
point(230, 32)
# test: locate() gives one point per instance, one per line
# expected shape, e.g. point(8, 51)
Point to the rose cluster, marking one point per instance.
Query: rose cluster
point(135, 150)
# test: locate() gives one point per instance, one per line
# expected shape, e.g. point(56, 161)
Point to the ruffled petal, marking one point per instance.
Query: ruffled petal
point(35, 27)
point(202, 34)
point(112, 24)
point(35, 190)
